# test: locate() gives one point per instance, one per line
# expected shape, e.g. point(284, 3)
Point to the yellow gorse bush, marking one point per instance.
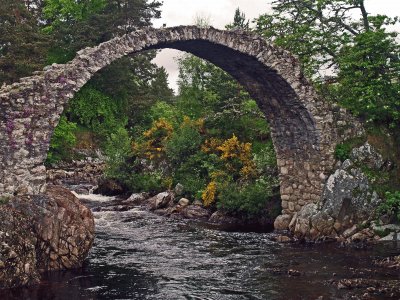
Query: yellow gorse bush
point(197, 124)
point(155, 138)
point(208, 195)
point(237, 158)
point(211, 145)
point(233, 150)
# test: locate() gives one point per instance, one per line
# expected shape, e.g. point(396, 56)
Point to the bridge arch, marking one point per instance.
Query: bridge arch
point(303, 127)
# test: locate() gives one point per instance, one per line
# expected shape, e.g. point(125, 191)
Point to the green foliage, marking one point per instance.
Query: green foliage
point(391, 206)
point(369, 72)
point(265, 158)
point(342, 151)
point(151, 182)
point(250, 200)
point(62, 142)
point(22, 45)
point(60, 11)
point(118, 150)
point(96, 111)
point(342, 39)
point(183, 143)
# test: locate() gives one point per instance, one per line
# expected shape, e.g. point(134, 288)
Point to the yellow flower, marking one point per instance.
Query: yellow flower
point(208, 194)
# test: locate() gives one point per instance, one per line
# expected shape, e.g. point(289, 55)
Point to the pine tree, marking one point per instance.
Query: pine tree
point(22, 45)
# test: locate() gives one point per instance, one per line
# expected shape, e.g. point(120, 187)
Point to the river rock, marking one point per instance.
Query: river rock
point(390, 237)
point(195, 212)
point(77, 172)
point(282, 222)
point(303, 223)
point(183, 202)
point(348, 193)
point(161, 200)
point(136, 199)
point(220, 217)
point(109, 187)
point(45, 232)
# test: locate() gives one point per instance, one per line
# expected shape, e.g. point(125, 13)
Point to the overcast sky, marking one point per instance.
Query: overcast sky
point(221, 12)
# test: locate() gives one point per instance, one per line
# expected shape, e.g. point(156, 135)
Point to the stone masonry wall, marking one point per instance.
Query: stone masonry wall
point(305, 129)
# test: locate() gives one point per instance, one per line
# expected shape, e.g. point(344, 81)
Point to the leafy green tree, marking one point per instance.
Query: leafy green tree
point(22, 45)
point(206, 90)
point(317, 31)
point(62, 142)
point(79, 24)
point(96, 111)
point(341, 39)
point(369, 78)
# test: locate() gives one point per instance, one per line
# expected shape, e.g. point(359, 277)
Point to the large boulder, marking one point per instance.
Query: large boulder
point(109, 187)
point(348, 200)
point(65, 229)
point(40, 233)
point(368, 156)
point(348, 195)
point(282, 222)
point(161, 200)
point(17, 249)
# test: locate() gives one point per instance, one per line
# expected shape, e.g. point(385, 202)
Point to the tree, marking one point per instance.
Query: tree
point(22, 46)
point(317, 31)
point(341, 39)
point(117, 96)
point(239, 21)
point(369, 72)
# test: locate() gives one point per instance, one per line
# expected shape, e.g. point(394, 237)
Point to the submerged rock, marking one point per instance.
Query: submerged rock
point(136, 199)
point(220, 217)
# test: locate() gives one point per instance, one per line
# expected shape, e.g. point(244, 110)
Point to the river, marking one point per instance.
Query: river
point(139, 255)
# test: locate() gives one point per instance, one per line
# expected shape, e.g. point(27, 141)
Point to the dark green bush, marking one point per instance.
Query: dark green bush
point(183, 143)
point(342, 151)
point(391, 206)
point(62, 142)
point(151, 182)
point(248, 200)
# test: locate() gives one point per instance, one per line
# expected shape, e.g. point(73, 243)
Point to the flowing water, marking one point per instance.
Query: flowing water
point(139, 255)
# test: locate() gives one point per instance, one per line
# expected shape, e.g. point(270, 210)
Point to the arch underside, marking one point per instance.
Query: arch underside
point(293, 127)
point(271, 76)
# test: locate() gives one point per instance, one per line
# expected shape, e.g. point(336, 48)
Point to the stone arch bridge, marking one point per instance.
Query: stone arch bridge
point(304, 128)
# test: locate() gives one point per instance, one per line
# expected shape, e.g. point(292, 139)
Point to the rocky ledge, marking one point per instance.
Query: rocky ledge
point(41, 233)
point(347, 211)
point(78, 175)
